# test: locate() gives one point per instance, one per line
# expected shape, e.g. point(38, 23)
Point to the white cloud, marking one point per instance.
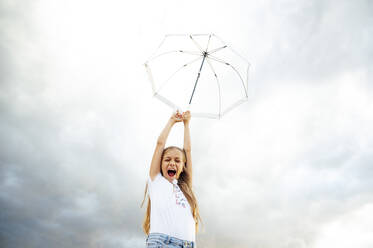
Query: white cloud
point(351, 229)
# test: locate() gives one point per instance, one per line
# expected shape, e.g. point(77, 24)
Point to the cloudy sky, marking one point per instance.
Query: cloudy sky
point(291, 168)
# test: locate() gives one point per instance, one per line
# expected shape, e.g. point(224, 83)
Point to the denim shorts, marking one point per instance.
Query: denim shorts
point(160, 240)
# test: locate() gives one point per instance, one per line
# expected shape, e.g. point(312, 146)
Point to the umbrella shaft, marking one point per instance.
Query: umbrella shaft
point(199, 73)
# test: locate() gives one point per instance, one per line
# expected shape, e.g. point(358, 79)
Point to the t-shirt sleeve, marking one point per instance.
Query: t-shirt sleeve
point(152, 183)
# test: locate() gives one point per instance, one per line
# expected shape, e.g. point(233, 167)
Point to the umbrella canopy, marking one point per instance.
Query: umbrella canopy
point(200, 73)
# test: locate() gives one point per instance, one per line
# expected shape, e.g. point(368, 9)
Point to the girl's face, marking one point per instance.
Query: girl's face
point(172, 164)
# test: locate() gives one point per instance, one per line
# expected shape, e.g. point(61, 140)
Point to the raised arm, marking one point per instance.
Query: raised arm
point(188, 145)
point(155, 166)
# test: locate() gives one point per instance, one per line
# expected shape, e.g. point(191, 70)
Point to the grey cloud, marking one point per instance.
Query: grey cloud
point(73, 173)
point(318, 39)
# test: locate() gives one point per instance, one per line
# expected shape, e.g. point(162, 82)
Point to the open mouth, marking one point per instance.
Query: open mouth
point(171, 173)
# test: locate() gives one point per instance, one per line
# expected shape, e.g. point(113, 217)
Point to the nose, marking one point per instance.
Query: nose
point(172, 165)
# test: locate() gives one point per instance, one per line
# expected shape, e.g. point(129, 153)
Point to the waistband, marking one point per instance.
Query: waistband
point(170, 240)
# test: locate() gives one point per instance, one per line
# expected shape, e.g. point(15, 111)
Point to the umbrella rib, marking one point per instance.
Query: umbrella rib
point(208, 43)
point(190, 52)
point(223, 62)
point(195, 42)
point(175, 51)
point(217, 82)
point(217, 59)
point(155, 52)
point(150, 75)
point(173, 74)
point(230, 47)
point(217, 49)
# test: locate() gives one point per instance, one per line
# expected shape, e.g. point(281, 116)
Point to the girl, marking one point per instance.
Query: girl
point(172, 215)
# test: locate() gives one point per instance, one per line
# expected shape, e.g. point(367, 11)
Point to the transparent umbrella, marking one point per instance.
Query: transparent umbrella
point(200, 73)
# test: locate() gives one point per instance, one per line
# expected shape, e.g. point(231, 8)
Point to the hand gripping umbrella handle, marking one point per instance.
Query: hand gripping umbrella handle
point(176, 108)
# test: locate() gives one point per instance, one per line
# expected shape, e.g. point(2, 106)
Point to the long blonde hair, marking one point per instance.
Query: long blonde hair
point(186, 188)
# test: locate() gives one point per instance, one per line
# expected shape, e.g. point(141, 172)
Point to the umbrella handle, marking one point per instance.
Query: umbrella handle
point(188, 108)
point(181, 110)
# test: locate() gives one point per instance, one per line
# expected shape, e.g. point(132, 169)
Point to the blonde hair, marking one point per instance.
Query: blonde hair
point(185, 185)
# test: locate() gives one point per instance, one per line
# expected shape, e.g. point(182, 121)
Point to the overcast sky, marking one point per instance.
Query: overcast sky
point(291, 168)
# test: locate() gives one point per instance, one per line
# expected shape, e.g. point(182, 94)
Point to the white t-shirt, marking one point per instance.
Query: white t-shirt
point(170, 211)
